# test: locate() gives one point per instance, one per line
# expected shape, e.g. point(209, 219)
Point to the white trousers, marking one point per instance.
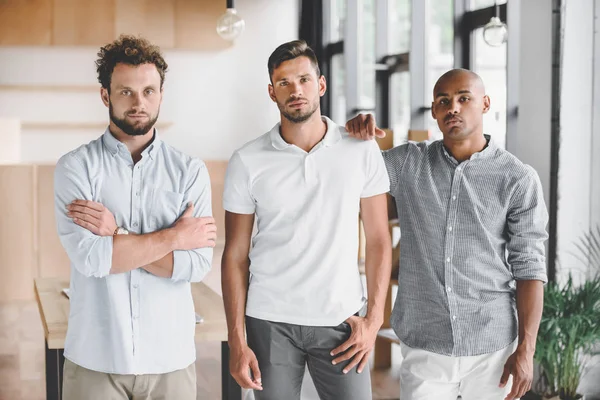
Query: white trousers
point(428, 376)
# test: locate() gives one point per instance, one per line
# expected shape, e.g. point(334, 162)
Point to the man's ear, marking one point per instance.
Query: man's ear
point(105, 96)
point(322, 85)
point(486, 103)
point(433, 110)
point(272, 93)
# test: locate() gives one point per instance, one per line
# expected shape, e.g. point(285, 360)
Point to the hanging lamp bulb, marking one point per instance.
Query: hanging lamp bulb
point(230, 25)
point(495, 32)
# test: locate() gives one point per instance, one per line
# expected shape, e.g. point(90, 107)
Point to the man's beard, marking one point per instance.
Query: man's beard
point(297, 118)
point(129, 128)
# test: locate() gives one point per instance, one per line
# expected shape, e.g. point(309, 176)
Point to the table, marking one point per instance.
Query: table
point(54, 313)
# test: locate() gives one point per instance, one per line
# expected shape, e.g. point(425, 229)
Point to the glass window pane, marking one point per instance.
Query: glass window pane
point(400, 106)
point(367, 61)
point(337, 89)
point(440, 50)
point(338, 18)
point(399, 26)
point(477, 4)
point(490, 64)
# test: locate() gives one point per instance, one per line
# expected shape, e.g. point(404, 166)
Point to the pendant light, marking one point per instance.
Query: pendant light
point(495, 32)
point(230, 25)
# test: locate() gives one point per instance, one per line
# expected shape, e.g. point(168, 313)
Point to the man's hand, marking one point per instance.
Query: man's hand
point(359, 345)
point(92, 216)
point(520, 366)
point(241, 361)
point(195, 233)
point(363, 127)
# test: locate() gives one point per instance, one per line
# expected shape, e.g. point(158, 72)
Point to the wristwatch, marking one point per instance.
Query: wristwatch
point(121, 231)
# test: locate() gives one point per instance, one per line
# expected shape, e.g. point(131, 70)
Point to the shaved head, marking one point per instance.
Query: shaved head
point(459, 102)
point(463, 74)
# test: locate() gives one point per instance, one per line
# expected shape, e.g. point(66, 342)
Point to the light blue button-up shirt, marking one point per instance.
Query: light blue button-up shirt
point(134, 322)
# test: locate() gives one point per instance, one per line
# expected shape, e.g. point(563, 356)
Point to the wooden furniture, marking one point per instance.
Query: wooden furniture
point(10, 137)
point(187, 24)
point(18, 263)
point(54, 313)
point(416, 135)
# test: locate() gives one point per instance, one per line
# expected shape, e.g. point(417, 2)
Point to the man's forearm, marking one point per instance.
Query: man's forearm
point(135, 251)
point(234, 281)
point(530, 303)
point(378, 267)
point(162, 267)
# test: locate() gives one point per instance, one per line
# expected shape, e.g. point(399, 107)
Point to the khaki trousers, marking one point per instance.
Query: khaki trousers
point(83, 384)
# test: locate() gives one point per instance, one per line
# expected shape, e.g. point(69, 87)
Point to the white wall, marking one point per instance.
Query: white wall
point(532, 140)
point(579, 164)
point(215, 100)
point(576, 115)
point(595, 148)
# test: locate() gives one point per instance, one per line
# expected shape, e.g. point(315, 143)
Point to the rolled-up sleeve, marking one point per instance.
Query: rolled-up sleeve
point(526, 224)
point(193, 265)
point(91, 255)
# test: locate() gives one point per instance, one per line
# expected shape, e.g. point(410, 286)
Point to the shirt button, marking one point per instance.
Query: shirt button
point(137, 193)
point(448, 259)
point(135, 285)
point(454, 317)
point(458, 168)
point(135, 224)
point(449, 289)
point(136, 317)
point(450, 228)
point(453, 197)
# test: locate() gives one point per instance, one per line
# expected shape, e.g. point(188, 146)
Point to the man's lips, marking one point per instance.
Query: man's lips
point(453, 121)
point(297, 103)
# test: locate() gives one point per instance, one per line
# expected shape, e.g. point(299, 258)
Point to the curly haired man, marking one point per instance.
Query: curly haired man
point(131, 322)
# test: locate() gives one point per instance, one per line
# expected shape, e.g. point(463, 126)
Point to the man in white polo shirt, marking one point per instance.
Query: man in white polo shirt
point(297, 289)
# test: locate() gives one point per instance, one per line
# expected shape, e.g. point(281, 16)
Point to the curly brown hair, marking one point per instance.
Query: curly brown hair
point(130, 50)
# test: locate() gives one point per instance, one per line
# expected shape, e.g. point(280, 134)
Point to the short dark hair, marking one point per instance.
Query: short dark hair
point(289, 51)
point(129, 50)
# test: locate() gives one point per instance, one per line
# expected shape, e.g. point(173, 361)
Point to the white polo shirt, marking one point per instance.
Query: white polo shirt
point(303, 259)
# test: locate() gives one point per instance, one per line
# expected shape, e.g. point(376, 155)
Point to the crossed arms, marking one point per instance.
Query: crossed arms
point(180, 252)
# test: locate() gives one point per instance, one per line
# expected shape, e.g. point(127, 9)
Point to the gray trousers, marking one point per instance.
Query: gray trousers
point(283, 351)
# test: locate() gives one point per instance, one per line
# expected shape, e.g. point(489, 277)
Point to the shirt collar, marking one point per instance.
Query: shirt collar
point(331, 137)
point(114, 146)
point(487, 151)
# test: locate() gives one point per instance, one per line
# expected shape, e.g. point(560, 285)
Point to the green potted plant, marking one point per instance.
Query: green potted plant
point(570, 327)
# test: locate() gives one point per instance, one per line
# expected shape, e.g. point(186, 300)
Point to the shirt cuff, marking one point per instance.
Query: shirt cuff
point(531, 272)
point(182, 266)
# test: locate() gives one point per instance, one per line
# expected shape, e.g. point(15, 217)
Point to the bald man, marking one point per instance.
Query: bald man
point(472, 259)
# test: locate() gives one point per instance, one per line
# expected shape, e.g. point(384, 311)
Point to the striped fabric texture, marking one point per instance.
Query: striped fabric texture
point(469, 231)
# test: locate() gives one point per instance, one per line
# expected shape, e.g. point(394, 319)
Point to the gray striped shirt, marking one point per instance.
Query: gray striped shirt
point(469, 230)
